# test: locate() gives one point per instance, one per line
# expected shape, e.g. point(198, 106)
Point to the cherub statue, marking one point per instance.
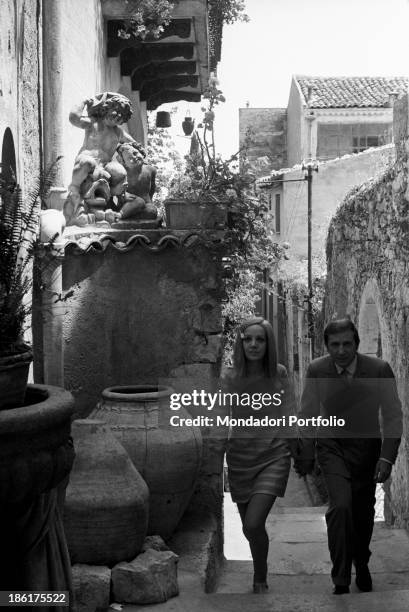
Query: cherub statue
point(96, 175)
point(136, 202)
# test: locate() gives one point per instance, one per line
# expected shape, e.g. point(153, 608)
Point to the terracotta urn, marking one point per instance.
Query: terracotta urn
point(107, 502)
point(14, 371)
point(36, 455)
point(167, 457)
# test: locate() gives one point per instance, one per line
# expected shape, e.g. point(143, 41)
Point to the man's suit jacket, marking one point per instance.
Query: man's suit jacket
point(369, 404)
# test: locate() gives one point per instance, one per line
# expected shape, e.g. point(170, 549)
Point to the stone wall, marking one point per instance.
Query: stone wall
point(330, 185)
point(132, 315)
point(19, 84)
point(295, 126)
point(368, 278)
point(267, 137)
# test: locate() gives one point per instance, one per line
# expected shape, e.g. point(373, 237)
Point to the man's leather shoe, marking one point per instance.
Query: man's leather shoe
point(340, 589)
point(363, 578)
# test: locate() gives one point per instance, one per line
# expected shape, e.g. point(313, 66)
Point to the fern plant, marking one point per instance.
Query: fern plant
point(18, 243)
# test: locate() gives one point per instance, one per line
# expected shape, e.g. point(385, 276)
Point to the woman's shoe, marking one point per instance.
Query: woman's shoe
point(260, 587)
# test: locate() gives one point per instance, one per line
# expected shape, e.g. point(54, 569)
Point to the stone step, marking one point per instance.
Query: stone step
point(239, 581)
point(377, 601)
point(390, 601)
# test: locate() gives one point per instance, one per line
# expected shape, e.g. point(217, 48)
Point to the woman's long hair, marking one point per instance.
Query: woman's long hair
point(270, 357)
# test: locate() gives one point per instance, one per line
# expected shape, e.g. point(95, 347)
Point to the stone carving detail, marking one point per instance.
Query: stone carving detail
point(100, 176)
point(136, 202)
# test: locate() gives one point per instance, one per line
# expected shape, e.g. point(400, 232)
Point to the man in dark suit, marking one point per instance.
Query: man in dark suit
point(360, 390)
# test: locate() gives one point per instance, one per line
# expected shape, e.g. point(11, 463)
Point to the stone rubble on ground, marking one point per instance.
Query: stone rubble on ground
point(92, 585)
point(150, 578)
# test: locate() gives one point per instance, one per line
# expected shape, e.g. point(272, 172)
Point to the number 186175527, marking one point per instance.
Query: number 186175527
point(34, 598)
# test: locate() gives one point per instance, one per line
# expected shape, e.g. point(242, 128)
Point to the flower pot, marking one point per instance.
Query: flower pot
point(13, 378)
point(36, 455)
point(184, 214)
point(106, 507)
point(163, 119)
point(188, 126)
point(167, 457)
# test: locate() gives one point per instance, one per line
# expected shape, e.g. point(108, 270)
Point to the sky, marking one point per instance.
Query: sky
point(310, 37)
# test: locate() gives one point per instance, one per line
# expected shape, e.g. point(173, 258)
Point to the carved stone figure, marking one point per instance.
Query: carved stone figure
point(96, 176)
point(136, 202)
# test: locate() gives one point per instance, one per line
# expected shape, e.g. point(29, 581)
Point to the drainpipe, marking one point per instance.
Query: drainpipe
point(52, 86)
point(53, 312)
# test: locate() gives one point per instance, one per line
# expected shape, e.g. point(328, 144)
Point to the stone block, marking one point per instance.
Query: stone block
point(207, 348)
point(192, 376)
point(154, 542)
point(150, 578)
point(207, 317)
point(91, 587)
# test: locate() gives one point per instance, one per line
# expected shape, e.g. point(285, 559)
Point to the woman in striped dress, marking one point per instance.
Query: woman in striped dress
point(258, 457)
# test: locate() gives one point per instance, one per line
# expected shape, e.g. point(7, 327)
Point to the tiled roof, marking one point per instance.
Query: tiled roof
point(347, 92)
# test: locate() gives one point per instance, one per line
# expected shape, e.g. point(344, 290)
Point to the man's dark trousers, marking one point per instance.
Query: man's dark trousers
point(351, 512)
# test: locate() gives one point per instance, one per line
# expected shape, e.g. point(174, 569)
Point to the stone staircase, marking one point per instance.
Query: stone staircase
point(299, 567)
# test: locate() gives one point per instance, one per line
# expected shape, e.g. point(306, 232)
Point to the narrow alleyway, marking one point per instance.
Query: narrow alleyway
point(299, 567)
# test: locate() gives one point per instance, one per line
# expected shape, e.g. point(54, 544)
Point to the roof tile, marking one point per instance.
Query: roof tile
point(347, 92)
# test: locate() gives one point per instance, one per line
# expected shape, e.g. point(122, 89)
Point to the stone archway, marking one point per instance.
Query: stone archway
point(8, 155)
point(371, 323)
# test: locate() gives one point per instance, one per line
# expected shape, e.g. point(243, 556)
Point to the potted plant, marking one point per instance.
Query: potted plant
point(208, 191)
point(18, 240)
point(148, 20)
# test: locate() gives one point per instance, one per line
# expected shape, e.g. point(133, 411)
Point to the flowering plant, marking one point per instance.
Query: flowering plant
point(149, 20)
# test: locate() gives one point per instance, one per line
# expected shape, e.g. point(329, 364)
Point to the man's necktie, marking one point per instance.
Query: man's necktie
point(345, 375)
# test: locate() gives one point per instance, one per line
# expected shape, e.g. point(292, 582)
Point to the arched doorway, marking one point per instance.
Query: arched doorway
point(374, 341)
point(8, 156)
point(371, 323)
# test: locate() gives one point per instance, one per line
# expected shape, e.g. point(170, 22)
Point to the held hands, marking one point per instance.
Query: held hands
point(382, 471)
point(303, 456)
point(303, 466)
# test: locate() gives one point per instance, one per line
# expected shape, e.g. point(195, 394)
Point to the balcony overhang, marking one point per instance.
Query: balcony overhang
point(174, 67)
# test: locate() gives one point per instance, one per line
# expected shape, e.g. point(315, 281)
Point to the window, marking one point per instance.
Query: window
point(278, 213)
point(365, 142)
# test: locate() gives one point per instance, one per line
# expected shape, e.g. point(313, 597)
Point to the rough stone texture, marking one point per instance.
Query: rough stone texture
point(30, 92)
point(335, 178)
point(132, 316)
point(150, 578)
point(92, 585)
point(368, 278)
point(267, 138)
point(19, 84)
point(154, 542)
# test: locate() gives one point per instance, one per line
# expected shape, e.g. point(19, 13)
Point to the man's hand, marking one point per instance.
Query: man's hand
point(382, 471)
point(303, 466)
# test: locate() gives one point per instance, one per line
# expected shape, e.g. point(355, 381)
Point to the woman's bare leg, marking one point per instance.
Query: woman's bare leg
point(253, 517)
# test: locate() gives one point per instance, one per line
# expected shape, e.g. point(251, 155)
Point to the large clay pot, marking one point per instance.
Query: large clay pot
point(168, 457)
point(36, 455)
point(107, 502)
point(13, 378)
